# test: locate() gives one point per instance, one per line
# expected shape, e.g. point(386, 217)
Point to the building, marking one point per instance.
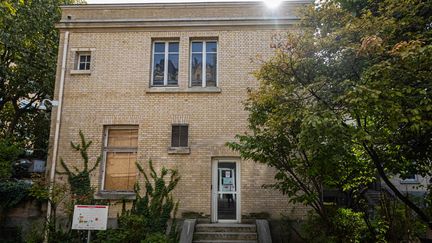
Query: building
point(166, 82)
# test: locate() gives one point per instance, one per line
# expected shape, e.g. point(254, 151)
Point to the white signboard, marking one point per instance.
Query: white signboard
point(90, 217)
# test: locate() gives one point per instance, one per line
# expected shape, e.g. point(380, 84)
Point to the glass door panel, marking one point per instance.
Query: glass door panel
point(226, 191)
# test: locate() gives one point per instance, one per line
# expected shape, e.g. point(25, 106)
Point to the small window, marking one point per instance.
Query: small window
point(179, 135)
point(165, 63)
point(411, 178)
point(203, 64)
point(120, 155)
point(84, 61)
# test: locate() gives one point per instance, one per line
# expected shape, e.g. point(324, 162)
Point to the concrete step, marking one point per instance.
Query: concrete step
point(225, 228)
point(218, 236)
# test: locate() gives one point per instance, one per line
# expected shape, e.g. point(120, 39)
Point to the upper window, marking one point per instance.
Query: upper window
point(120, 155)
point(179, 135)
point(165, 63)
point(204, 63)
point(84, 60)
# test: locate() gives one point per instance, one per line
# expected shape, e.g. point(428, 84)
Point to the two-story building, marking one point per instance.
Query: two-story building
point(166, 82)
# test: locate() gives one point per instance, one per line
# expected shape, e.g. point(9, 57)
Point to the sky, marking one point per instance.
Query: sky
point(164, 1)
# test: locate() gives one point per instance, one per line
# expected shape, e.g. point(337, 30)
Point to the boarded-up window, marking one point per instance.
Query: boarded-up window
point(120, 155)
point(179, 135)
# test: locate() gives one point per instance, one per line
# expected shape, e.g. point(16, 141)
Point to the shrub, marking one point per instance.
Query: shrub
point(8, 155)
point(156, 238)
point(149, 215)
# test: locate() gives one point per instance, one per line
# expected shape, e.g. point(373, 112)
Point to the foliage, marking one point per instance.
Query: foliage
point(10, 234)
point(80, 188)
point(28, 49)
point(348, 226)
point(157, 238)
point(399, 220)
point(79, 180)
point(12, 193)
point(9, 153)
point(149, 214)
point(36, 233)
point(40, 191)
point(28, 46)
point(344, 98)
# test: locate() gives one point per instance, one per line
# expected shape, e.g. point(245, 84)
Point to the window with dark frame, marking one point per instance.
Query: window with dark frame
point(84, 61)
point(120, 155)
point(203, 64)
point(165, 63)
point(179, 135)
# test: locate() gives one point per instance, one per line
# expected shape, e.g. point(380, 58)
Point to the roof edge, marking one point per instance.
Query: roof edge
point(177, 4)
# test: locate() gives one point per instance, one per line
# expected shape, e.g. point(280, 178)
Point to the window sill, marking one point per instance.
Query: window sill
point(188, 90)
point(407, 182)
point(115, 195)
point(80, 72)
point(178, 150)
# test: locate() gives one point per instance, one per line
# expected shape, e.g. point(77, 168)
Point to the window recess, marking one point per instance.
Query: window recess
point(165, 63)
point(203, 64)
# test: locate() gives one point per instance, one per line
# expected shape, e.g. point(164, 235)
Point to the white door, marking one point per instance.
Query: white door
point(225, 191)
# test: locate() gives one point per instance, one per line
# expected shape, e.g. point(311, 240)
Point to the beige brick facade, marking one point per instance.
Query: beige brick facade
point(118, 92)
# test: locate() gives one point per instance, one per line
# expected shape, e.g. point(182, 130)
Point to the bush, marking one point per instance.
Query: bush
point(344, 225)
point(149, 214)
point(12, 193)
point(157, 238)
point(8, 155)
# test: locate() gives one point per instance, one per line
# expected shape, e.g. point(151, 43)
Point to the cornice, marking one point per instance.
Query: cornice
point(177, 4)
point(175, 23)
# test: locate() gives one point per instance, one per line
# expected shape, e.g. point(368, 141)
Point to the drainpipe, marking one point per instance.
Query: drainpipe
point(57, 127)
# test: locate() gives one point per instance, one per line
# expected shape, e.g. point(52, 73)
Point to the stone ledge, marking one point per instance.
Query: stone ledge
point(115, 195)
point(178, 150)
point(80, 72)
point(188, 90)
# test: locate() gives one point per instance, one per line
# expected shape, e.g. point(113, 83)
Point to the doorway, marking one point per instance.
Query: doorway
point(225, 191)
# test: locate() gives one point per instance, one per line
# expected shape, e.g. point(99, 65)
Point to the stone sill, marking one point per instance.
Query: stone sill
point(178, 150)
point(412, 182)
point(80, 72)
point(187, 90)
point(115, 195)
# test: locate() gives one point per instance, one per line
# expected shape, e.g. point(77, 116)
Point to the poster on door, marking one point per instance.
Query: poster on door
point(90, 217)
point(227, 181)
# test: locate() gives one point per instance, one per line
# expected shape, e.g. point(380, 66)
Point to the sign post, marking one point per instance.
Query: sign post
point(90, 217)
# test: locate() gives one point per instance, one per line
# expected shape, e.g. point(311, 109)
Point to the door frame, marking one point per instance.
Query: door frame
point(214, 191)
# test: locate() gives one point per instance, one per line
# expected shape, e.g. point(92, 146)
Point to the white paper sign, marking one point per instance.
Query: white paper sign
point(227, 173)
point(90, 217)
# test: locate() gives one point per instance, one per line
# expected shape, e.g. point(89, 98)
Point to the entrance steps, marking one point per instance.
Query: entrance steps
point(225, 233)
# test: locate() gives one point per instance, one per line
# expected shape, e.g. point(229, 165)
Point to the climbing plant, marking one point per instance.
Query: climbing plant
point(147, 220)
point(79, 180)
point(157, 204)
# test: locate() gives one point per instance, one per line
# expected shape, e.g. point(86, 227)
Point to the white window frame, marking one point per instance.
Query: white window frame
point(204, 62)
point(166, 55)
point(106, 150)
point(414, 180)
point(76, 53)
point(80, 54)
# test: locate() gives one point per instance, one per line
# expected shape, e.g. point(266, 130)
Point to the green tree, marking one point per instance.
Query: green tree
point(28, 55)
point(345, 97)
